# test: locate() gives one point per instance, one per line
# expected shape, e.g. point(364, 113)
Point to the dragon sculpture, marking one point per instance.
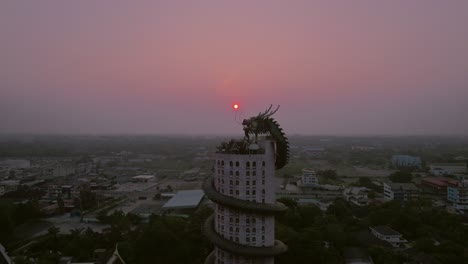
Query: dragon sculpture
point(264, 124)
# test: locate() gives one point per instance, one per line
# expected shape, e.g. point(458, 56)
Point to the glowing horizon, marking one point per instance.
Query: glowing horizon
point(163, 67)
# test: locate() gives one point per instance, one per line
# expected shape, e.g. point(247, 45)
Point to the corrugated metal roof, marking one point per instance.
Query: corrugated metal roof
point(185, 199)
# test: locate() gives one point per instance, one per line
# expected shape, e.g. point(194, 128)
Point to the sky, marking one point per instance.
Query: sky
point(176, 67)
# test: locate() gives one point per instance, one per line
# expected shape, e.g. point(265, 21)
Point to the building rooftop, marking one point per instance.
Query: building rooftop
point(441, 181)
point(185, 199)
point(385, 230)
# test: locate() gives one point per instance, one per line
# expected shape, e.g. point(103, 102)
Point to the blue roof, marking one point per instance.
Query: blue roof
point(185, 199)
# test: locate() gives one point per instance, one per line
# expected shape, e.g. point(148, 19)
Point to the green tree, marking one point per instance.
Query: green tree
point(401, 176)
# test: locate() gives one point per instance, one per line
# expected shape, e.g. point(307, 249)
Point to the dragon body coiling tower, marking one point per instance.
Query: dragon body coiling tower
point(242, 227)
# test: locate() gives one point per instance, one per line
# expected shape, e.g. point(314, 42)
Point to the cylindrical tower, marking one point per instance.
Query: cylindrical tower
point(242, 227)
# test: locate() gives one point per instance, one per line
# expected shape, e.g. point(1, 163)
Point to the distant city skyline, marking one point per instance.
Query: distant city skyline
point(164, 67)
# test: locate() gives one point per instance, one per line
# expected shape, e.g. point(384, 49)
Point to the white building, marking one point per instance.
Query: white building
point(309, 178)
point(400, 191)
point(357, 195)
point(387, 234)
point(439, 169)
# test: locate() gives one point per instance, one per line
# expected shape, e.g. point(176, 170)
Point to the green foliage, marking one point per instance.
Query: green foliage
point(401, 176)
point(290, 203)
point(12, 215)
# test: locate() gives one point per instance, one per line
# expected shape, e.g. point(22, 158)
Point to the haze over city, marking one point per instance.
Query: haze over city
point(163, 67)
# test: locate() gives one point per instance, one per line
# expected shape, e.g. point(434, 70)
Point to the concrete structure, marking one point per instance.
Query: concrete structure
point(401, 161)
point(387, 234)
point(440, 169)
point(400, 191)
point(309, 178)
point(357, 195)
point(243, 225)
point(458, 196)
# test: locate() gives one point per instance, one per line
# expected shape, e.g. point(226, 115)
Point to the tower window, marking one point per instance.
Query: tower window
point(254, 164)
point(247, 173)
point(263, 163)
point(254, 173)
point(237, 173)
point(247, 164)
point(237, 164)
point(230, 163)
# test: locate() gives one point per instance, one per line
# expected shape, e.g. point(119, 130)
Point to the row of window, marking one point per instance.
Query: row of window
point(247, 182)
point(247, 164)
point(247, 173)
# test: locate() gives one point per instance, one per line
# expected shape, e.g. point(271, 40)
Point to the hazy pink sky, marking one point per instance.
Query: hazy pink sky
point(335, 67)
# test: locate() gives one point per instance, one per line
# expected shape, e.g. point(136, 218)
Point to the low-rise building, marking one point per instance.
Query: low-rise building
point(389, 235)
point(400, 191)
point(440, 169)
point(458, 196)
point(437, 185)
point(357, 195)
